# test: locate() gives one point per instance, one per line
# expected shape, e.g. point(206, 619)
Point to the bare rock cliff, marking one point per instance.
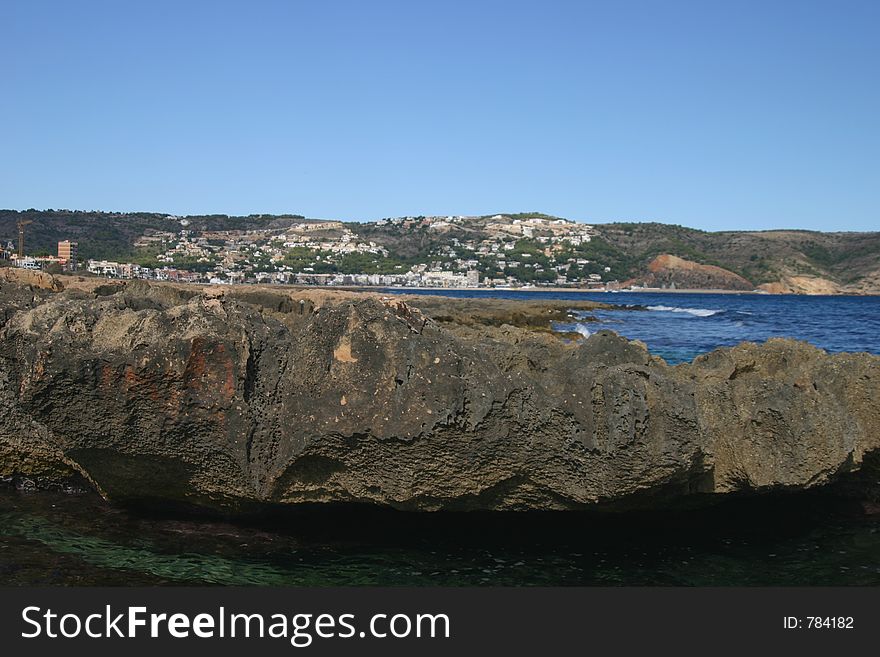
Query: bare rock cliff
point(668, 270)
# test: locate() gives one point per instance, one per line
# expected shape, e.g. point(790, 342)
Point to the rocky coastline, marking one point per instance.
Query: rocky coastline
point(229, 397)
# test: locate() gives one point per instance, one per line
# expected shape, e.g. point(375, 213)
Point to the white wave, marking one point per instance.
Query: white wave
point(696, 312)
point(582, 328)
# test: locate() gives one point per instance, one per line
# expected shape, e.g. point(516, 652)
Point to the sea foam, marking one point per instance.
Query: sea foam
point(696, 312)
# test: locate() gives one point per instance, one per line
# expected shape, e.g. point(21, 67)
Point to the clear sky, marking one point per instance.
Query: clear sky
point(717, 115)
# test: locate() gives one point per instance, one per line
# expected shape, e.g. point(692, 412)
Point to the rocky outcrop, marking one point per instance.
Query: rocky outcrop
point(803, 285)
point(668, 270)
point(21, 289)
point(34, 279)
point(258, 396)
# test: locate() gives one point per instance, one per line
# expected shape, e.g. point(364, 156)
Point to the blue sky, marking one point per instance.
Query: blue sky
point(717, 115)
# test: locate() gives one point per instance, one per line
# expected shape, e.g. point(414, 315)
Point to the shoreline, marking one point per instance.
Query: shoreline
point(74, 280)
point(545, 290)
point(575, 290)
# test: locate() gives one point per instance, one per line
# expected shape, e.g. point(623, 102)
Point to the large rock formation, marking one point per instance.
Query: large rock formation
point(34, 280)
point(223, 399)
point(671, 271)
point(803, 285)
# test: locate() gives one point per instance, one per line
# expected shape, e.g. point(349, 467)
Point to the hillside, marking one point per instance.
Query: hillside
point(671, 271)
point(526, 248)
point(112, 234)
point(780, 260)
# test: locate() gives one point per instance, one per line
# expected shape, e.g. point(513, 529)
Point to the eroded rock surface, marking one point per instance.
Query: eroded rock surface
point(222, 398)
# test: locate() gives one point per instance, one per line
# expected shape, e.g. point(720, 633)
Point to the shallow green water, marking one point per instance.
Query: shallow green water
point(57, 539)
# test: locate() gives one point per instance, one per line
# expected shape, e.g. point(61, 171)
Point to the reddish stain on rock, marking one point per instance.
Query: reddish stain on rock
point(210, 371)
point(108, 377)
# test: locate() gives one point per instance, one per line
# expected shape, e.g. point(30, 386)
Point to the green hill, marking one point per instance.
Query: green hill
point(779, 260)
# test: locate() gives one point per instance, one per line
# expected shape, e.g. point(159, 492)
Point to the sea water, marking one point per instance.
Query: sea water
point(679, 326)
point(51, 538)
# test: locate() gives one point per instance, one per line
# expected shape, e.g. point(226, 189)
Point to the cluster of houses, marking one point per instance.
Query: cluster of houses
point(470, 252)
point(543, 230)
point(442, 279)
point(498, 243)
point(112, 269)
point(66, 260)
point(227, 247)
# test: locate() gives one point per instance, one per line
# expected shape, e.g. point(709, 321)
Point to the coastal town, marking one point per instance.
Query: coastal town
point(463, 252)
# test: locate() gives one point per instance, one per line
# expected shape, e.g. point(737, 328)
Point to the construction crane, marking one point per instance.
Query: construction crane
point(21, 225)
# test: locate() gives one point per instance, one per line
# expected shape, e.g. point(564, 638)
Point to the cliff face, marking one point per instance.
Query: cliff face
point(667, 270)
point(788, 261)
point(227, 398)
point(804, 285)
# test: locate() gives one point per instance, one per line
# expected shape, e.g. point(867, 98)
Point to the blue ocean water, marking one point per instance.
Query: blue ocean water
point(680, 326)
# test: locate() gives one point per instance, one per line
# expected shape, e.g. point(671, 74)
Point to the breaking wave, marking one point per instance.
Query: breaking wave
point(582, 328)
point(696, 312)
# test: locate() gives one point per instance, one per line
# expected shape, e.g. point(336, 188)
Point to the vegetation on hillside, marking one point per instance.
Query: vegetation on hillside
point(625, 248)
point(758, 256)
point(111, 235)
